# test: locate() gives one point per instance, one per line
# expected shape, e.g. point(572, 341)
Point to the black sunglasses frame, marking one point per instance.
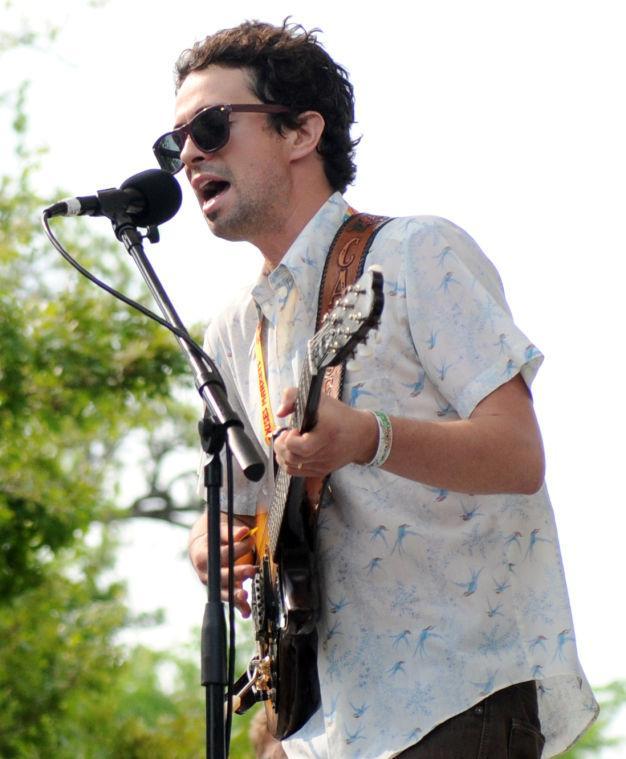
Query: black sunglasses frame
point(166, 155)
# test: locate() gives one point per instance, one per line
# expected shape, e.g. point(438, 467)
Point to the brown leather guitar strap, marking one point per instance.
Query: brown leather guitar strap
point(344, 265)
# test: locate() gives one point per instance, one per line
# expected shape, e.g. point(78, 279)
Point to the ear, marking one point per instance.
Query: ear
point(305, 138)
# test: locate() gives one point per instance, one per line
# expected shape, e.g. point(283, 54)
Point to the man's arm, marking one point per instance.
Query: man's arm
point(497, 450)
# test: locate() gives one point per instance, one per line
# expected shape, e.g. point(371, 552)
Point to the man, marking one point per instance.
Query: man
point(264, 745)
point(445, 628)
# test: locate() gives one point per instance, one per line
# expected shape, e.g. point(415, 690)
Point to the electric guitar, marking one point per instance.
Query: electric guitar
point(285, 591)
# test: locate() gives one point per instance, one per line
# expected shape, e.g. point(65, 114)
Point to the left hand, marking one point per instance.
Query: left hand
point(343, 435)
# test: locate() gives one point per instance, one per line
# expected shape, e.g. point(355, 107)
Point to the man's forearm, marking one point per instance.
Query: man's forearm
point(497, 450)
point(467, 456)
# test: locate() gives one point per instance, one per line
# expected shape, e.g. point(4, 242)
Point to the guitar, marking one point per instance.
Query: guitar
point(285, 589)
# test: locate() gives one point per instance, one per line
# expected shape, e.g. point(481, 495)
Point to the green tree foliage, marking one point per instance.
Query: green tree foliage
point(80, 375)
point(67, 690)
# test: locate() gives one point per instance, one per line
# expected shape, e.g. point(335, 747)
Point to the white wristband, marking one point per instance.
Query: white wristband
point(385, 438)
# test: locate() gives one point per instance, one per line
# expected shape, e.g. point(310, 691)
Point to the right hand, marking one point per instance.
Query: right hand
point(243, 544)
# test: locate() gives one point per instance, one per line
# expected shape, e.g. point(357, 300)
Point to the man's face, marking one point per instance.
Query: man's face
point(243, 188)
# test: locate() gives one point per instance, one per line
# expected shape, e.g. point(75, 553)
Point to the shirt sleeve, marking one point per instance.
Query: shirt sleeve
point(457, 309)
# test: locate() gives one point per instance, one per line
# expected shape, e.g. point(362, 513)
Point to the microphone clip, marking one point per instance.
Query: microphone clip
point(152, 234)
point(113, 203)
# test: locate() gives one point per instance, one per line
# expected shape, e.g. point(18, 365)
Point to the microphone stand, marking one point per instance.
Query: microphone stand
point(220, 427)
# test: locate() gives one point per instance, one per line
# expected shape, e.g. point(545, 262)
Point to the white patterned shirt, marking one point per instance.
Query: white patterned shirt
point(431, 599)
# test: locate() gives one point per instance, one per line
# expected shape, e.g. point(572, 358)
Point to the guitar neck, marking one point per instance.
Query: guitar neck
point(354, 314)
point(305, 418)
point(308, 397)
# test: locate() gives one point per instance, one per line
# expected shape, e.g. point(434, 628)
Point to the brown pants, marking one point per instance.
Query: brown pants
point(503, 726)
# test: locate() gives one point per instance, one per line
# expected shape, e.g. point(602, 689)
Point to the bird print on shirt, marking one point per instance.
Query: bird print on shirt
point(468, 514)
point(493, 611)
point(565, 636)
point(472, 585)
point(417, 386)
point(538, 641)
point(355, 736)
point(443, 255)
point(378, 533)
point(358, 711)
point(447, 281)
point(356, 392)
point(533, 540)
point(432, 340)
point(403, 533)
point(501, 586)
point(401, 637)
point(502, 343)
point(442, 370)
point(513, 539)
point(373, 565)
point(424, 635)
point(397, 667)
point(336, 607)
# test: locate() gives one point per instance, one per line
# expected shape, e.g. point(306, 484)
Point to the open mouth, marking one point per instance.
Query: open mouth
point(213, 189)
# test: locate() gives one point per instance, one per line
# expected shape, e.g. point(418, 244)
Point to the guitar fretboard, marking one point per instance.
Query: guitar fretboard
point(283, 480)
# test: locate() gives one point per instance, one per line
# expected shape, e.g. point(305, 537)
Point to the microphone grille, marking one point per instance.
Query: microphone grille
point(162, 195)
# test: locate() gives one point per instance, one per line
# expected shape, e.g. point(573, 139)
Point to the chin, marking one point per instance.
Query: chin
point(220, 227)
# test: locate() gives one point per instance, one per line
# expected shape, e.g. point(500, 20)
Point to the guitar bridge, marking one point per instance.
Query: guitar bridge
point(252, 686)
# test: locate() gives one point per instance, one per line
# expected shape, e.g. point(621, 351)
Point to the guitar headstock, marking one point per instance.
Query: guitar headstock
point(355, 313)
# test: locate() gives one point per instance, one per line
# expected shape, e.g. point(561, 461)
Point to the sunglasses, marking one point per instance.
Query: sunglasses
point(209, 130)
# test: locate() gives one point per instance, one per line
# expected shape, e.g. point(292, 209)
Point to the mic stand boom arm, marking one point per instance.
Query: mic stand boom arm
point(208, 382)
point(226, 427)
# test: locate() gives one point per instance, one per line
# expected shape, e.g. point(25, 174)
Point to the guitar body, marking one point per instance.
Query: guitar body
point(286, 604)
point(285, 592)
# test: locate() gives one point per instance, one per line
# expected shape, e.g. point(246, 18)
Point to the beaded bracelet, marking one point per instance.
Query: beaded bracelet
point(385, 438)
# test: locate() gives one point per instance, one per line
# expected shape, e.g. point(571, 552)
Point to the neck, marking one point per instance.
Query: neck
point(275, 243)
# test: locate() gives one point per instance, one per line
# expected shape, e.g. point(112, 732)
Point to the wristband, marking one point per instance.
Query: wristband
point(385, 438)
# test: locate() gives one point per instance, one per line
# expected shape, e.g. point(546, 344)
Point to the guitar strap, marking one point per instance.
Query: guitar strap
point(344, 265)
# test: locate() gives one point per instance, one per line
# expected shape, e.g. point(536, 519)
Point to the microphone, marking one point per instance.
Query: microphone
point(150, 198)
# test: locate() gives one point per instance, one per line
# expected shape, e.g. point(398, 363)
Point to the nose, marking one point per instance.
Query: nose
point(191, 154)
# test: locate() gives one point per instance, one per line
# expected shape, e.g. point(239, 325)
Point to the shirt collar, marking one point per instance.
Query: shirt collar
point(304, 260)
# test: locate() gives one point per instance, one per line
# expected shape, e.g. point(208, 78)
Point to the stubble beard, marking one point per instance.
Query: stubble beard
point(255, 213)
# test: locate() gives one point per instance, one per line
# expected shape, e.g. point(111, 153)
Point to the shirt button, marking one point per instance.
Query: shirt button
point(479, 709)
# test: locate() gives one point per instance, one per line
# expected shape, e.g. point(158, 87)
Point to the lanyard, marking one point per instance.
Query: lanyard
point(267, 417)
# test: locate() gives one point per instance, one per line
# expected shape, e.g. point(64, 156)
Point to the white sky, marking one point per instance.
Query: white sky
point(507, 118)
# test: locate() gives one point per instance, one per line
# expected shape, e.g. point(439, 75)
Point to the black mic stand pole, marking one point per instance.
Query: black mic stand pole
point(223, 427)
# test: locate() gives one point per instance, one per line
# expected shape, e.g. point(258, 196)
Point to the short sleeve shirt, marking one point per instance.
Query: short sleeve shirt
point(432, 599)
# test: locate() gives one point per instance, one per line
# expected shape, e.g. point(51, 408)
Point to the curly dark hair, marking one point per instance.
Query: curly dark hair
point(289, 67)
